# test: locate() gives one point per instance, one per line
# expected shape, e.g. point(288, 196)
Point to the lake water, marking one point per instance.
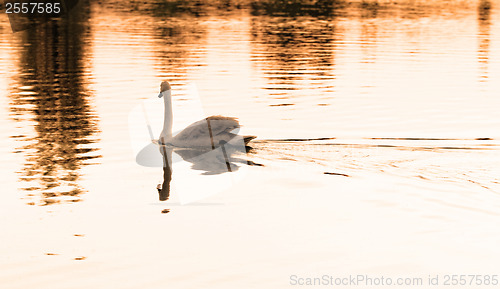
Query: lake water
point(377, 150)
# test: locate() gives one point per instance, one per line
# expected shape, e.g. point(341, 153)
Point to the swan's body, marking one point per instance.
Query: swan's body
point(209, 132)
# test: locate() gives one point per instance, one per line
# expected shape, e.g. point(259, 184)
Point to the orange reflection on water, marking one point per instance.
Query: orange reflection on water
point(49, 94)
point(374, 69)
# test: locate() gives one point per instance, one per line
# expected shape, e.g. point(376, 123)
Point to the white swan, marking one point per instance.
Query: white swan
point(212, 131)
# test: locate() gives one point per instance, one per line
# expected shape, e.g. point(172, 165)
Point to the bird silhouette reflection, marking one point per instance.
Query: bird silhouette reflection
point(224, 158)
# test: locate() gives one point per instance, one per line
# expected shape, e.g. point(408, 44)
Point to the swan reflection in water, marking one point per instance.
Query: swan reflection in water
point(224, 158)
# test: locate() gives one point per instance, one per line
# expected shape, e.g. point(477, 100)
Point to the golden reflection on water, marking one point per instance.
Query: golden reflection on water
point(49, 93)
point(371, 69)
point(404, 95)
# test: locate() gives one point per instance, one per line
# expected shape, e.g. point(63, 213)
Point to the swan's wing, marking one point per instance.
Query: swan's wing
point(222, 124)
point(200, 129)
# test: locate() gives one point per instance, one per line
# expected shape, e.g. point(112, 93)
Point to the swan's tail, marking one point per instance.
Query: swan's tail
point(248, 138)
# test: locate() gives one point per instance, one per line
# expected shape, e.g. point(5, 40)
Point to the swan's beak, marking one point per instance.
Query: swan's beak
point(160, 95)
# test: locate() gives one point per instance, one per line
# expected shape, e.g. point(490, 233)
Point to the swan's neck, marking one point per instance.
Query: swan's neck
point(166, 133)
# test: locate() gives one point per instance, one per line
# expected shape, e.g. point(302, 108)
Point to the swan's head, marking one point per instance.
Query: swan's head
point(165, 86)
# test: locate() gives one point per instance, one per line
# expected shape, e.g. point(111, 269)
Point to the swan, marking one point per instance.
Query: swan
point(209, 132)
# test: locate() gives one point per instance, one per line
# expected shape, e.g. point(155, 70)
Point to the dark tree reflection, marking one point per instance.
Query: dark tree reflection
point(484, 15)
point(290, 51)
point(296, 7)
point(52, 98)
point(174, 38)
